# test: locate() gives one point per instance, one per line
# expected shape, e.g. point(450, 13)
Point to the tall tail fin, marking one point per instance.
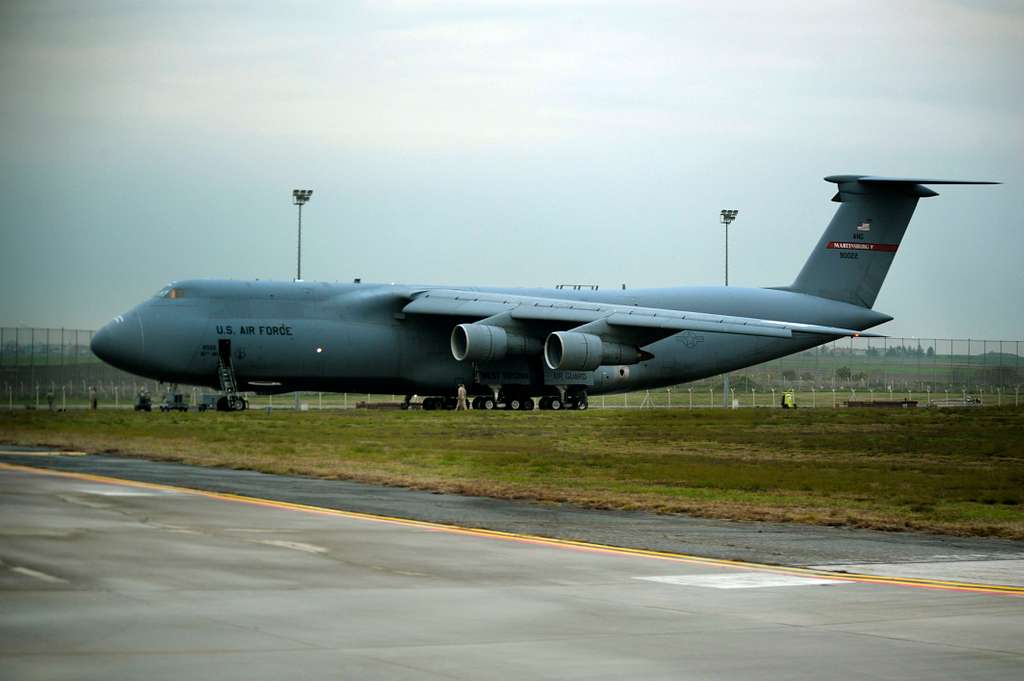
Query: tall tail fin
point(854, 254)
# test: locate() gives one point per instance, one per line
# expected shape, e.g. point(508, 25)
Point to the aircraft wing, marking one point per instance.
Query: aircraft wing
point(629, 324)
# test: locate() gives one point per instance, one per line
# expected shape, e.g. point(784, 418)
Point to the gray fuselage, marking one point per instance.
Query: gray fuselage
point(286, 336)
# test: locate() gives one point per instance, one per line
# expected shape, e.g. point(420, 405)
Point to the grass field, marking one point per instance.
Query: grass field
point(950, 471)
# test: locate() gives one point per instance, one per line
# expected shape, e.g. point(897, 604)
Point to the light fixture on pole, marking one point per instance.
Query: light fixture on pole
point(726, 217)
point(299, 198)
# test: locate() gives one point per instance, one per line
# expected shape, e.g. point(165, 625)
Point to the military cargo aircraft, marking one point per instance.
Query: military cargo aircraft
point(510, 347)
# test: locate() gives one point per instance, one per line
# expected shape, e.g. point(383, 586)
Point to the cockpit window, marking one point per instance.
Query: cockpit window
point(170, 292)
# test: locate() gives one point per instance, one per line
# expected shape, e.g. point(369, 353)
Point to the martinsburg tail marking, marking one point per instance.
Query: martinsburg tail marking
point(853, 256)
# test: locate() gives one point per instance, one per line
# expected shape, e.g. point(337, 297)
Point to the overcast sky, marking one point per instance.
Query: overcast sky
point(504, 142)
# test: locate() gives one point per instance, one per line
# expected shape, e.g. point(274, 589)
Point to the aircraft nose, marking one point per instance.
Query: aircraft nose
point(120, 343)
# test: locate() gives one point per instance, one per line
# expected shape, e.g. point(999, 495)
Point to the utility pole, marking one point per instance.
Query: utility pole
point(726, 217)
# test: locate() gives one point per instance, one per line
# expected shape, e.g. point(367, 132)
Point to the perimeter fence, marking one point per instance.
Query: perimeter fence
point(37, 362)
point(949, 371)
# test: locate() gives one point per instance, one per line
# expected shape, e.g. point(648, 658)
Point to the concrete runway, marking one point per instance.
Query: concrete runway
point(987, 560)
point(124, 580)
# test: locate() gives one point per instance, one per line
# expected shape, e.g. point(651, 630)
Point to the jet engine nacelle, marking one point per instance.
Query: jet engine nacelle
point(482, 342)
point(574, 351)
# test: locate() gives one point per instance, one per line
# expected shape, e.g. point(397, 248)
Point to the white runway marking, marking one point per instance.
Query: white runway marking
point(249, 529)
point(1004, 571)
point(174, 528)
point(741, 580)
point(42, 576)
point(294, 545)
point(125, 492)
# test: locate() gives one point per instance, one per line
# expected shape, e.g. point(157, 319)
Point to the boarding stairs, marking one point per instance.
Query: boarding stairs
point(228, 382)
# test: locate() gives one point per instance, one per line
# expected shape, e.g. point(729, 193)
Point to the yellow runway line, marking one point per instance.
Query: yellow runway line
point(589, 547)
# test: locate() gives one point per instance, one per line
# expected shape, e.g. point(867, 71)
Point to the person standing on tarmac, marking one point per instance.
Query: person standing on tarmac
point(93, 401)
point(461, 403)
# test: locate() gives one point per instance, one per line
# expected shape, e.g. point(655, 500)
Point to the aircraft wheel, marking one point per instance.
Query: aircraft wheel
point(477, 402)
point(515, 404)
point(544, 403)
point(487, 403)
point(528, 404)
point(555, 403)
point(582, 404)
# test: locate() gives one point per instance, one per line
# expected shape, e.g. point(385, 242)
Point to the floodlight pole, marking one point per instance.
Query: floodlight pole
point(726, 217)
point(299, 198)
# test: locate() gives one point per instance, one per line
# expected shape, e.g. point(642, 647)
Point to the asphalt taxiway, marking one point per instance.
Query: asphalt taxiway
point(111, 579)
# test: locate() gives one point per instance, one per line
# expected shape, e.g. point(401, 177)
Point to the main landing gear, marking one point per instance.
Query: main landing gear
point(509, 399)
point(434, 403)
point(514, 402)
point(484, 402)
point(508, 403)
point(555, 403)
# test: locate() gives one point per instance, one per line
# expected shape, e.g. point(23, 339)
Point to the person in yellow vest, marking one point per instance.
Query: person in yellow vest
point(461, 404)
point(789, 400)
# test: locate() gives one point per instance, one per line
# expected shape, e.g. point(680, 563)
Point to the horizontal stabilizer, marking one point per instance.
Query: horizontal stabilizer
point(860, 185)
point(877, 179)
